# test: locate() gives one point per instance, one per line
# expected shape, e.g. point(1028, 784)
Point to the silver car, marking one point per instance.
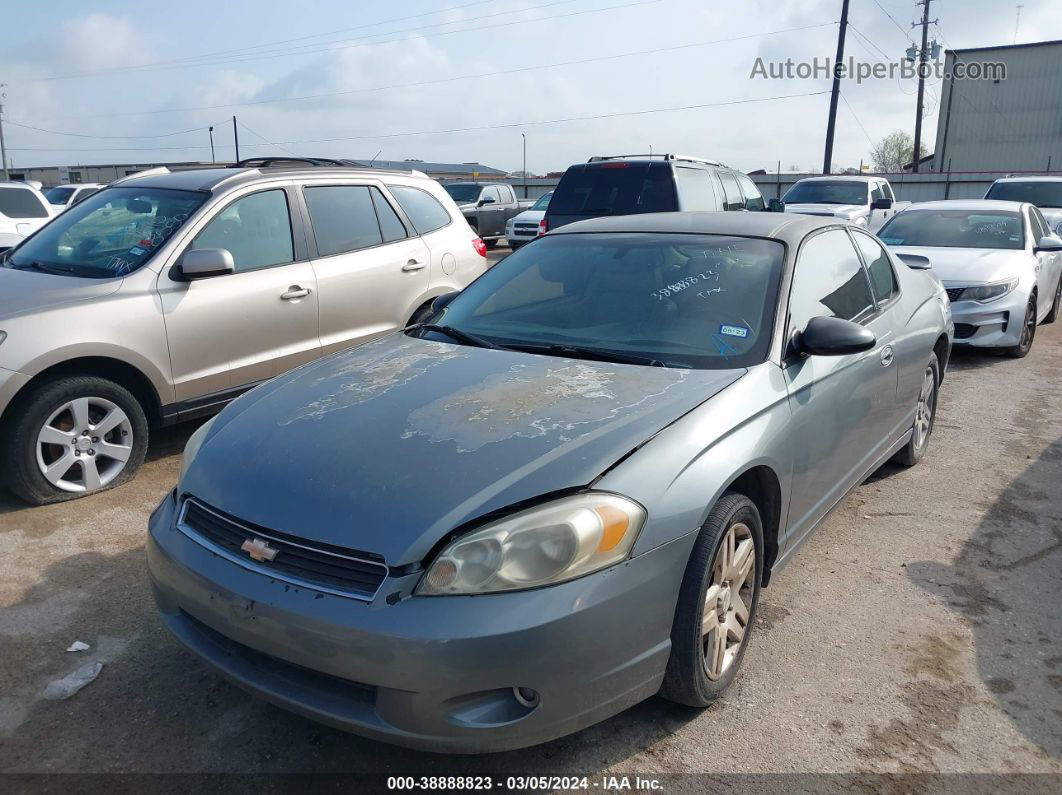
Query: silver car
point(164, 296)
point(563, 492)
point(999, 261)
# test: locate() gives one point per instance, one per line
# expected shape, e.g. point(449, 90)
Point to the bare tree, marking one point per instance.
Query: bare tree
point(893, 152)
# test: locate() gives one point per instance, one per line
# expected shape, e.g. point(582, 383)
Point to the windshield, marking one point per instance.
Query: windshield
point(111, 233)
point(827, 192)
point(699, 301)
point(615, 188)
point(58, 195)
point(542, 203)
point(1040, 193)
point(463, 194)
point(954, 229)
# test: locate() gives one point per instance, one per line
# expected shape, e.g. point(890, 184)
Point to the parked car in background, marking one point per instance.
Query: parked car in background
point(1043, 192)
point(23, 210)
point(487, 208)
point(633, 184)
point(867, 201)
point(999, 261)
point(560, 495)
point(528, 225)
point(64, 196)
point(164, 297)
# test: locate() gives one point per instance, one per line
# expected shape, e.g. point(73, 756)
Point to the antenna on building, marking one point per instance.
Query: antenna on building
point(1017, 21)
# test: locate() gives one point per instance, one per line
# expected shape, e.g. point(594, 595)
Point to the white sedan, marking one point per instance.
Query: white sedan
point(998, 260)
point(526, 226)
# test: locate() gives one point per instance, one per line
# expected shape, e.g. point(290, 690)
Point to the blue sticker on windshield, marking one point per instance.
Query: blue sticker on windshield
point(734, 331)
point(136, 251)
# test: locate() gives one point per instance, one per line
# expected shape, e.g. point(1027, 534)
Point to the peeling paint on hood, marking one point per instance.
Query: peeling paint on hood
point(388, 447)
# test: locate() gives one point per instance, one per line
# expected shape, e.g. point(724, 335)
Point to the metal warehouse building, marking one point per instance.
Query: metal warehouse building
point(1011, 124)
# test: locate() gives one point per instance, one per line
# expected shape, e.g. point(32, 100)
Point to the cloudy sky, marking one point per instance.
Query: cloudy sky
point(457, 80)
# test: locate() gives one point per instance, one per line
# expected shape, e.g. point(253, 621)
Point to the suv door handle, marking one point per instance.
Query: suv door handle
point(295, 292)
point(886, 356)
point(412, 266)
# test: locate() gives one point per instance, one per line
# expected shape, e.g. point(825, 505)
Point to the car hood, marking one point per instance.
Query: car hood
point(529, 216)
point(388, 447)
point(968, 265)
point(23, 291)
point(836, 210)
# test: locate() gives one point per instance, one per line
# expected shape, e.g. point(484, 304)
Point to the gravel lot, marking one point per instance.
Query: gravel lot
point(919, 630)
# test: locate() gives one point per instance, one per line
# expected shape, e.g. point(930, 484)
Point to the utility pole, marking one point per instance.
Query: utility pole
point(1017, 22)
point(212, 158)
point(923, 56)
point(524, 136)
point(236, 139)
point(827, 160)
point(3, 150)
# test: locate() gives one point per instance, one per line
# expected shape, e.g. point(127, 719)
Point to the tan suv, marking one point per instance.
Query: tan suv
point(162, 297)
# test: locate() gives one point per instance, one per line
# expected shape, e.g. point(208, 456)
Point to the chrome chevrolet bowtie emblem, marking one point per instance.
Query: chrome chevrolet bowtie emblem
point(258, 550)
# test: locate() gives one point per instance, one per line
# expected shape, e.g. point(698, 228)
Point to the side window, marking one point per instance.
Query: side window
point(1040, 228)
point(886, 189)
point(882, 276)
point(256, 230)
point(493, 193)
point(734, 199)
point(83, 194)
point(390, 224)
point(829, 281)
point(877, 192)
point(753, 197)
point(696, 191)
point(21, 203)
point(423, 210)
point(343, 218)
point(507, 194)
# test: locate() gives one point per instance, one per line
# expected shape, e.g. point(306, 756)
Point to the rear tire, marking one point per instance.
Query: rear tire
point(72, 437)
point(925, 415)
point(719, 594)
point(1052, 316)
point(490, 244)
point(1028, 333)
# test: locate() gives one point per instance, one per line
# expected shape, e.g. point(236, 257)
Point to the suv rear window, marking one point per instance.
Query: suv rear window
point(615, 188)
point(1039, 192)
point(421, 208)
point(21, 203)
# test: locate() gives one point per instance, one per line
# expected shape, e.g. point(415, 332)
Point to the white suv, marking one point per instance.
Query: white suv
point(23, 210)
point(162, 297)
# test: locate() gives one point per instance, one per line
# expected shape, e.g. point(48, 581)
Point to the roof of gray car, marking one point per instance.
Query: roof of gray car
point(785, 226)
point(967, 204)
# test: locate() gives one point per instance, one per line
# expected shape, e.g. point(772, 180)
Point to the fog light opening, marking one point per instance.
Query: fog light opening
point(526, 697)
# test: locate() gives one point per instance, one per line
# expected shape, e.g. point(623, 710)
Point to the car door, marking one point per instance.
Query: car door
point(237, 329)
point(1048, 263)
point(842, 406)
point(492, 215)
point(371, 269)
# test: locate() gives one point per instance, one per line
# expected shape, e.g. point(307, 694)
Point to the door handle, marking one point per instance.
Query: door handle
point(294, 292)
point(886, 356)
point(412, 266)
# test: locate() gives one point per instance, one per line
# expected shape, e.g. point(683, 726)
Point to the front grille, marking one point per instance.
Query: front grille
point(954, 293)
point(325, 567)
point(964, 331)
point(528, 227)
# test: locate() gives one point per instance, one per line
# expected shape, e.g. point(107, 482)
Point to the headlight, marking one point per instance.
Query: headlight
point(195, 441)
point(988, 292)
point(861, 220)
point(544, 545)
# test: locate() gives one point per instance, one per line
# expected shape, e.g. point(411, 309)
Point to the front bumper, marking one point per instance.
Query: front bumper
point(434, 673)
point(994, 324)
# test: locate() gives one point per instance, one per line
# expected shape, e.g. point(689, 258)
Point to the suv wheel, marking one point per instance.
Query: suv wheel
point(717, 604)
point(72, 437)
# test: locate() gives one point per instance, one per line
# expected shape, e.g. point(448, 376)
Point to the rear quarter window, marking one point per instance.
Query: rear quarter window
point(423, 210)
point(21, 203)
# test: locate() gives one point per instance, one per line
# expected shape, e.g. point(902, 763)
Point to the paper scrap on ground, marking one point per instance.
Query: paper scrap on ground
point(78, 645)
point(72, 682)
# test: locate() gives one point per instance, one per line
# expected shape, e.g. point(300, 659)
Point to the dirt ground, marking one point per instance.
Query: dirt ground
point(919, 630)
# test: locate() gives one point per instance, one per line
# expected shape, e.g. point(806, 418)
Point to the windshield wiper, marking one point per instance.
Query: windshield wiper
point(39, 266)
point(583, 352)
point(455, 333)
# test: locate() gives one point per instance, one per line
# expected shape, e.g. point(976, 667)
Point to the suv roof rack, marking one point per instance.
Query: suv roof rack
point(268, 162)
point(683, 158)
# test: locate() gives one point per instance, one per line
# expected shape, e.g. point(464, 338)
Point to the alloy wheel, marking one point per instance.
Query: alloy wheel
point(728, 600)
point(84, 445)
point(1028, 330)
point(927, 402)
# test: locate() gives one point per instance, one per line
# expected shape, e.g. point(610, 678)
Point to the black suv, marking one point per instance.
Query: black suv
point(629, 184)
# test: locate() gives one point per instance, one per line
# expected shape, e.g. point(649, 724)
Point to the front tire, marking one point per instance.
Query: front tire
point(717, 603)
point(925, 416)
point(1028, 333)
point(72, 437)
point(1052, 316)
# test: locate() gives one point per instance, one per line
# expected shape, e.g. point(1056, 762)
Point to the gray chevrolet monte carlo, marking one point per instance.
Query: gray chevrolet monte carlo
point(561, 494)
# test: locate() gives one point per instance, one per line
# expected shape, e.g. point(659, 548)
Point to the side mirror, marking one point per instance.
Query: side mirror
point(202, 263)
point(1048, 243)
point(881, 204)
point(486, 200)
point(441, 302)
point(915, 262)
point(832, 336)
point(775, 206)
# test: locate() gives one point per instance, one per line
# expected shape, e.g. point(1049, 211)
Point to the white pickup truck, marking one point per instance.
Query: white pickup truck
point(868, 201)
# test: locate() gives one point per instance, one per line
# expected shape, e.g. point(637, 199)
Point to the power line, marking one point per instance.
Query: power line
point(868, 41)
point(857, 121)
point(359, 42)
point(455, 78)
point(899, 27)
point(271, 143)
point(113, 137)
point(477, 128)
